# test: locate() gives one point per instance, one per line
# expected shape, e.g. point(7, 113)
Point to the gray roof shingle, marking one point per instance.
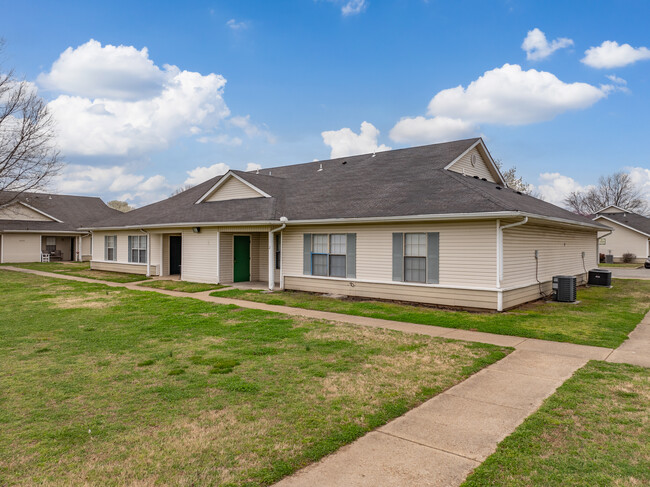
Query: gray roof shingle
point(404, 182)
point(74, 212)
point(633, 220)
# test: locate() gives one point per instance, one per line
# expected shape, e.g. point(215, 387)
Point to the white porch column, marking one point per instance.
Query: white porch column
point(271, 260)
point(2, 248)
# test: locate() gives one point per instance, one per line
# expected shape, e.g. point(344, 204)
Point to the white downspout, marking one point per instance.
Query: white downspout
point(284, 221)
point(500, 230)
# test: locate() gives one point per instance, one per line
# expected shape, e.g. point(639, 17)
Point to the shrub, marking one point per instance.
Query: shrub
point(602, 258)
point(628, 257)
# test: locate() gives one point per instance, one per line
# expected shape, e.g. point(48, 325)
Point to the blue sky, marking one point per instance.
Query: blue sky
point(269, 83)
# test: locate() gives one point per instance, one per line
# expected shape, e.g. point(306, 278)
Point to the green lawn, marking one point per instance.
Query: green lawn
point(594, 431)
point(604, 317)
point(80, 269)
point(109, 386)
point(184, 286)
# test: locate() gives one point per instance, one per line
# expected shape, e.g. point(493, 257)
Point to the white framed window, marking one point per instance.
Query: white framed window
point(138, 249)
point(110, 243)
point(415, 257)
point(329, 255)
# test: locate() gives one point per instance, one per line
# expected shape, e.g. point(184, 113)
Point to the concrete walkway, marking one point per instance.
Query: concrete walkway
point(440, 442)
point(629, 273)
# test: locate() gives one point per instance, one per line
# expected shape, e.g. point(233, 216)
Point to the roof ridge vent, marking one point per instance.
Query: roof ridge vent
point(320, 167)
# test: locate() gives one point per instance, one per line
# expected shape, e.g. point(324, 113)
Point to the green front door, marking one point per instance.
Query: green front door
point(242, 261)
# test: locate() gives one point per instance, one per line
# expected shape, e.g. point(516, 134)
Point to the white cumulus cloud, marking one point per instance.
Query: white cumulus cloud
point(537, 46)
point(234, 25)
point(93, 71)
point(611, 54)
point(345, 142)
point(118, 102)
point(505, 96)
point(424, 130)
point(202, 173)
point(352, 7)
point(555, 187)
point(116, 181)
point(251, 166)
point(511, 96)
point(641, 178)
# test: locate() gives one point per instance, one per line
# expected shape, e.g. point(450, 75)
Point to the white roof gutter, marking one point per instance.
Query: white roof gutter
point(380, 219)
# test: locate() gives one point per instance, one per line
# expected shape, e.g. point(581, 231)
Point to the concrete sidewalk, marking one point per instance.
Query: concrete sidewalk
point(440, 442)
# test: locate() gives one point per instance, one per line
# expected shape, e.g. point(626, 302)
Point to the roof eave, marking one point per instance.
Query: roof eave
point(387, 219)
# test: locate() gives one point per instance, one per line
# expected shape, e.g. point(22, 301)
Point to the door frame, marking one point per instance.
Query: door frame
point(250, 255)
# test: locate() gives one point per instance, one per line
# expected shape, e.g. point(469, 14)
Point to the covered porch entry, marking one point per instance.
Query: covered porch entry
point(244, 257)
point(61, 248)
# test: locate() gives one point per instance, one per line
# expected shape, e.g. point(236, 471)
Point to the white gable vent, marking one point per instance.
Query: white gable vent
point(472, 160)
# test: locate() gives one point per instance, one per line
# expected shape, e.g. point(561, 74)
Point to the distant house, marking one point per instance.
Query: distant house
point(631, 233)
point(433, 224)
point(34, 225)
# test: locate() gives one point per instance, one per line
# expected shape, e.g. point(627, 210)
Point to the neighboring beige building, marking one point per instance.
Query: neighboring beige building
point(630, 235)
point(433, 224)
point(37, 226)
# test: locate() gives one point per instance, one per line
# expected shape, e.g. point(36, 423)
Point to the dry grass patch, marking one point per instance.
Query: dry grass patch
point(139, 388)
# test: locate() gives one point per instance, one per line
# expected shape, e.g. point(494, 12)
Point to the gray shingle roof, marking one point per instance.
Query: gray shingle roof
point(632, 220)
point(397, 183)
point(73, 211)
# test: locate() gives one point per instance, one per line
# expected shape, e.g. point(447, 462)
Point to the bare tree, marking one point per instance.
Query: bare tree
point(118, 205)
point(616, 189)
point(515, 181)
point(180, 189)
point(28, 154)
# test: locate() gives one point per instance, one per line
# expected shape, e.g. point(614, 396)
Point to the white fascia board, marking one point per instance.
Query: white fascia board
point(480, 143)
point(613, 206)
point(622, 224)
point(225, 178)
point(382, 219)
point(47, 232)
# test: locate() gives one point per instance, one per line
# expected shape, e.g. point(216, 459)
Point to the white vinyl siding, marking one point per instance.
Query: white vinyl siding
point(560, 253)
point(467, 250)
point(21, 247)
point(233, 189)
point(199, 256)
point(17, 211)
point(480, 169)
point(623, 240)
